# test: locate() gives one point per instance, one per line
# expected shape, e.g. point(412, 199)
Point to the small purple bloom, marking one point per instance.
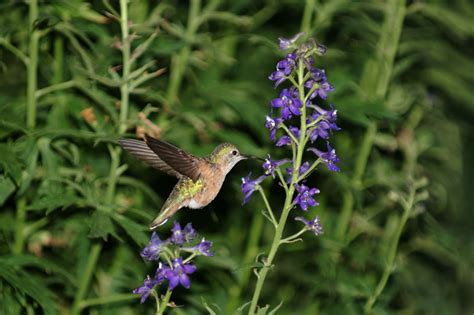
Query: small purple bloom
point(295, 131)
point(277, 76)
point(284, 140)
point(145, 289)
point(312, 225)
point(203, 248)
point(178, 273)
point(325, 125)
point(288, 43)
point(289, 103)
point(272, 125)
point(181, 236)
point(152, 250)
point(322, 88)
point(283, 69)
point(329, 158)
point(270, 165)
point(249, 186)
point(305, 196)
point(303, 168)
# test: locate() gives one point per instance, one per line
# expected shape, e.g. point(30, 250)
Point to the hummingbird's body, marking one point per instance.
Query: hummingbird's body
point(200, 179)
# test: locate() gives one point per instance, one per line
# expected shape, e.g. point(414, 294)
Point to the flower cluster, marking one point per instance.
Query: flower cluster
point(298, 119)
point(171, 266)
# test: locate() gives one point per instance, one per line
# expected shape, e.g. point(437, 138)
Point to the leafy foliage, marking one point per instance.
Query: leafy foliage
point(77, 76)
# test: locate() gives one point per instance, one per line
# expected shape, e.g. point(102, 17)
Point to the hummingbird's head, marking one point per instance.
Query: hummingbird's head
point(226, 155)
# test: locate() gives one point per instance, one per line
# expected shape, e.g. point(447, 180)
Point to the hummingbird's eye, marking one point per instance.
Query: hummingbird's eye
point(234, 152)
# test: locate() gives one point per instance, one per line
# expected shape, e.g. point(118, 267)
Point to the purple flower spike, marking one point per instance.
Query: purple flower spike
point(329, 158)
point(270, 165)
point(312, 225)
point(178, 273)
point(288, 43)
point(249, 186)
point(152, 250)
point(145, 289)
point(305, 196)
point(181, 236)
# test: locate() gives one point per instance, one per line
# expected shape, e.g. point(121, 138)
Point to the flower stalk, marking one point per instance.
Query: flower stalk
point(32, 66)
point(294, 102)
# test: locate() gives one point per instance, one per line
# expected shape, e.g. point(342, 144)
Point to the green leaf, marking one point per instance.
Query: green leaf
point(10, 163)
point(29, 285)
point(101, 226)
point(134, 230)
point(53, 196)
point(7, 187)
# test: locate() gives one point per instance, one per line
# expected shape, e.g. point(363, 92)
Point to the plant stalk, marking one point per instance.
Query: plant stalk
point(180, 61)
point(32, 66)
point(262, 274)
point(407, 208)
point(124, 87)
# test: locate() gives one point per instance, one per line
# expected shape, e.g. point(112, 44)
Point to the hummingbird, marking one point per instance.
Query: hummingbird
point(199, 178)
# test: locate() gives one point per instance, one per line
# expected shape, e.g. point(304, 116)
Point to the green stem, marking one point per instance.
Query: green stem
point(307, 14)
point(55, 87)
point(124, 87)
point(32, 66)
point(20, 227)
point(164, 303)
point(58, 64)
point(262, 274)
point(267, 205)
point(86, 277)
point(112, 181)
point(356, 183)
point(293, 237)
point(180, 61)
point(407, 208)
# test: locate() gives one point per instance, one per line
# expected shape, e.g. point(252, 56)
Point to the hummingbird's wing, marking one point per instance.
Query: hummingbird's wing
point(141, 150)
point(181, 161)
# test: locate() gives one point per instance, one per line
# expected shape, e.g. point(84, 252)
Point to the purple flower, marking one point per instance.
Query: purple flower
point(322, 88)
point(325, 125)
point(152, 250)
point(284, 68)
point(181, 236)
point(295, 131)
point(329, 158)
point(288, 43)
point(249, 186)
point(289, 103)
point(145, 289)
point(284, 140)
point(178, 273)
point(313, 225)
point(270, 165)
point(272, 125)
point(303, 168)
point(201, 249)
point(305, 196)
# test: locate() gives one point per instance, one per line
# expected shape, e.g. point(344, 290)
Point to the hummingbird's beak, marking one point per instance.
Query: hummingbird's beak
point(253, 157)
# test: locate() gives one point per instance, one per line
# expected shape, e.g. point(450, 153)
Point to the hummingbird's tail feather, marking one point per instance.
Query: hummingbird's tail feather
point(163, 216)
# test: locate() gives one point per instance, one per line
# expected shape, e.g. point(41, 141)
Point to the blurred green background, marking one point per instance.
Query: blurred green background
point(75, 208)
